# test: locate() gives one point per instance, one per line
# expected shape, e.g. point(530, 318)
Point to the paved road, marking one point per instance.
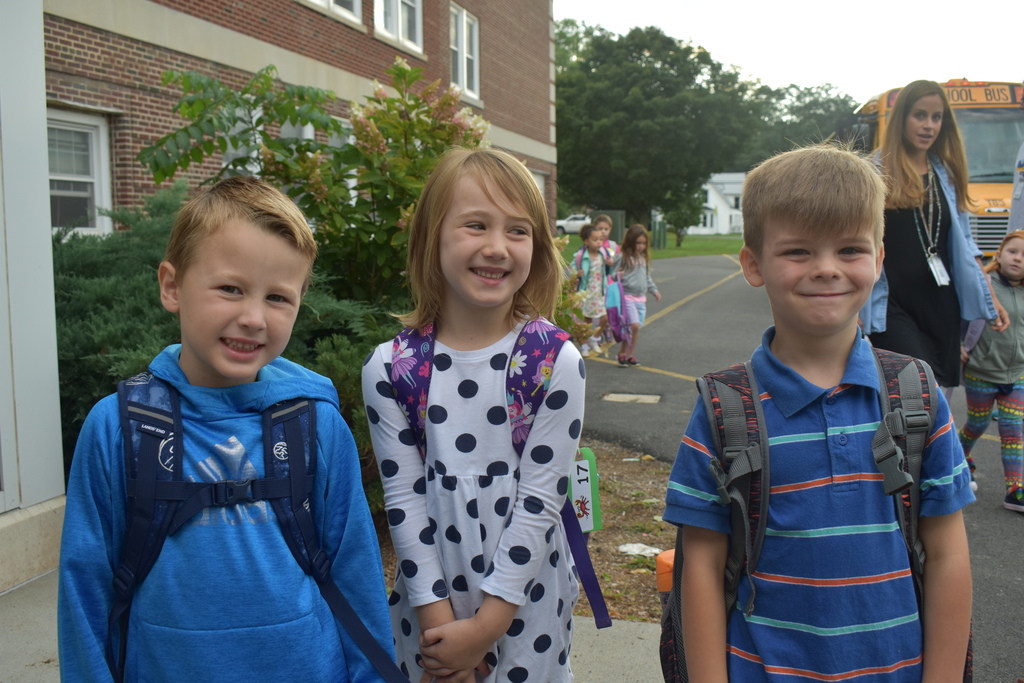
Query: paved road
point(709, 317)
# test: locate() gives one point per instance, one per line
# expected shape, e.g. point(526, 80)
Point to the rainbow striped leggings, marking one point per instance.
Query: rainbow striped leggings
point(980, 397)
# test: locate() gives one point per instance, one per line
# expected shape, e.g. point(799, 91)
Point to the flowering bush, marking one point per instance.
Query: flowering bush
point(360, 196)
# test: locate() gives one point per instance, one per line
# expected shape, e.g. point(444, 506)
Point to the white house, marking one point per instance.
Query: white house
point(722, 213)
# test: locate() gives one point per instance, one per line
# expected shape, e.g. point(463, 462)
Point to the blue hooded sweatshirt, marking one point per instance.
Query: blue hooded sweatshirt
point(226, 598)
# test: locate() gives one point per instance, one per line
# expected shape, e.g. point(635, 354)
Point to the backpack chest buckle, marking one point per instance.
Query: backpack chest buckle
point(232, 492)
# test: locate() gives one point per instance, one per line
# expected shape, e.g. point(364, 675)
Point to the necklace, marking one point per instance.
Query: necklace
point(932, 222)
point(933, 219)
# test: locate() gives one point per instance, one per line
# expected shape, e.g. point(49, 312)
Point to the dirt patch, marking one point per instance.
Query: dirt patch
point(632, 486)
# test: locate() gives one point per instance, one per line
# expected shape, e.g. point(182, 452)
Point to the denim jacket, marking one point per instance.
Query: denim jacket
point(971, 287)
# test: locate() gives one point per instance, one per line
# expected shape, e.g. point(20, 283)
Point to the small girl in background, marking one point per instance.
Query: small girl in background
point(994, 371)
point(485, 587)
point(603, 223)
point(594, 268)
point(634, 266)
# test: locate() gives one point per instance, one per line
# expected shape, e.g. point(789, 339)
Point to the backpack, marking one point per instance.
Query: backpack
point(535, 351)
point(160, 502)
point(615, 306)
point(742, 467)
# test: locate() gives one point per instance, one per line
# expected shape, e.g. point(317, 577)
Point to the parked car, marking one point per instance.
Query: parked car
point(572, 224)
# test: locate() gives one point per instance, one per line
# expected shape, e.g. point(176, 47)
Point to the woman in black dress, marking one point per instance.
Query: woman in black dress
point(932, 276)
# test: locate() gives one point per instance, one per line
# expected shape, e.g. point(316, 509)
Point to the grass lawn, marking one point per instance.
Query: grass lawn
point(693, 245)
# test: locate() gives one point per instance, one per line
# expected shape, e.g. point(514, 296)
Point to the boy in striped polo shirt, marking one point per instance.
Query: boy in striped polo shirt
point(833, 597)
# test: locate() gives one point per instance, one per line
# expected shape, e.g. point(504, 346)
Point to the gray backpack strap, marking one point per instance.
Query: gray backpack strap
point(731, 399)
point(908, 420)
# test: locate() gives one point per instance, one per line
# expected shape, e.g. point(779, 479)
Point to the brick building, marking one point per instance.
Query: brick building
point(80, 95)
point(104, 59)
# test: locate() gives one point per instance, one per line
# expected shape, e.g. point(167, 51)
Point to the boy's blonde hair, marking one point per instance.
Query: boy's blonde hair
point(505, 180)
point(994, 263)
point(244, 198)
point(819, 188)
point(905, 187)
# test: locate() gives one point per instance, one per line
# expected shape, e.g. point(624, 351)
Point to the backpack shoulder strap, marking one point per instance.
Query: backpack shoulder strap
point(151, 430)
point(290, 454)
point(412, 362)
point(741, 467)
point(535, 351)
point(908, 415)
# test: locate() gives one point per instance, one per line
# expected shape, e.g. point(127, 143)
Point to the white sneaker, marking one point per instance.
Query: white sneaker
point(585, 349)
point(595, 342)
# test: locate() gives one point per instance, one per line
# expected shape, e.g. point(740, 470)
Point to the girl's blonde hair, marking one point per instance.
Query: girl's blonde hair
point(905, 187)
point(630, 256)
point(994, 263)
point(505, 180)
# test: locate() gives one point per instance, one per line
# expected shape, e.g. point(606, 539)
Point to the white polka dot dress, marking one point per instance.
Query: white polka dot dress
point(475, 518)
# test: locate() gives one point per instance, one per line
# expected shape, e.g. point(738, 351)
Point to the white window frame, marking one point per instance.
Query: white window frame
point(387, 20)
point(464, 44)
point(331, 7)
point(98, 130)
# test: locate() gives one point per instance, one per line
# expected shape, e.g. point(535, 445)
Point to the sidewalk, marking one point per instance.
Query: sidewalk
point(625, 653)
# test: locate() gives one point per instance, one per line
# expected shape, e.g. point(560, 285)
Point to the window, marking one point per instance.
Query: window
point(350, 9)
point(465, 50)
point(401, 20)
point(248, 152)
point(79, 155)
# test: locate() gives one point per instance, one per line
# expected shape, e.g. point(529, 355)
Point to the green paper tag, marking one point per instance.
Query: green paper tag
point(583, 490)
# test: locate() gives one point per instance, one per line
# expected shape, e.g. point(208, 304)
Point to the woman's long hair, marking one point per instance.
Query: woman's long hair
point(905, 187)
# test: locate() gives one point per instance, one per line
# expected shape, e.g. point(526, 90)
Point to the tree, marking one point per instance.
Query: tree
point(793, 117)
point(644, 117)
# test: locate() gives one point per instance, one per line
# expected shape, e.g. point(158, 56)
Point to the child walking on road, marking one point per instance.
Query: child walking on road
point(486, 581)
point(594, 267)
point(994, 371)
point(634, 267)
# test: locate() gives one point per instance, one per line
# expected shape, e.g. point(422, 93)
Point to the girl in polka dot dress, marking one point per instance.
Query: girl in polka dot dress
point(485, 586)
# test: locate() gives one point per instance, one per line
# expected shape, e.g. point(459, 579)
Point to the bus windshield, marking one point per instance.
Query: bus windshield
point(991, 137)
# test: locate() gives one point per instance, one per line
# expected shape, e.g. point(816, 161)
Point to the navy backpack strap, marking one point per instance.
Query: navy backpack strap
point(151, 429)
point(290, 456)
point(741, 468)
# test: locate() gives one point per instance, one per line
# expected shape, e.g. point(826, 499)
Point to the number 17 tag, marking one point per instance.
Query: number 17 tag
point(583, 490)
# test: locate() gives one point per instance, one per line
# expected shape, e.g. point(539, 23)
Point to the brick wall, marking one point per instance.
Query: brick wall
point(90, 67)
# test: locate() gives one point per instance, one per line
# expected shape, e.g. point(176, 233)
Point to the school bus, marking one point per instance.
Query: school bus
point(992, 125)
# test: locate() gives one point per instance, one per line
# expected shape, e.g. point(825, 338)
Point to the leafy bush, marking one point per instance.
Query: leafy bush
point(359, 196)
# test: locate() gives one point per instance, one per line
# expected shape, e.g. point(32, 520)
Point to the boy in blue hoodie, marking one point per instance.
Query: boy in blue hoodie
point(226, 598)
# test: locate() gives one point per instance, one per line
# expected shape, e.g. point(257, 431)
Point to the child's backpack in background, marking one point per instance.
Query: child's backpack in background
point(615, 305)
point(733, 408)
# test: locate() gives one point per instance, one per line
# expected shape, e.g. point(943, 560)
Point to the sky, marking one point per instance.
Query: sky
point(811, 42)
